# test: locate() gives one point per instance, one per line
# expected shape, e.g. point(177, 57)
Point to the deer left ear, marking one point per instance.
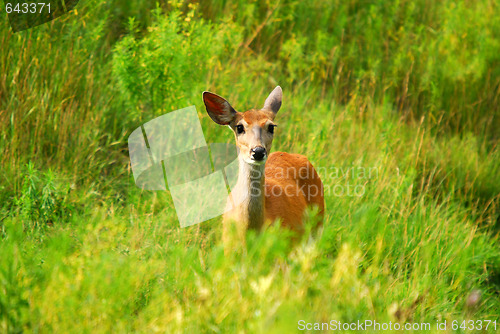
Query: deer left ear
point(219, 110)
point(273, 101)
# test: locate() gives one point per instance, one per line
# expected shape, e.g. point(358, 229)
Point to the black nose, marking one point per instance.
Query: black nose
point(258, 153)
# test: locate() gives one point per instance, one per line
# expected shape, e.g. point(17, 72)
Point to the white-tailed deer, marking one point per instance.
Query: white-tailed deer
point(270, 187)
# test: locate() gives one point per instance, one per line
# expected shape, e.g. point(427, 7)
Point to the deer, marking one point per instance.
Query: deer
point(270, 187)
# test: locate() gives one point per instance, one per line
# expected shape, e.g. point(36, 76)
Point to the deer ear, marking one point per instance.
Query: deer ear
point(219, 110)
point(273, 101)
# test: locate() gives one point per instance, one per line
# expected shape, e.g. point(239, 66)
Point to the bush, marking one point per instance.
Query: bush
point(43, 198)
point(164, 68)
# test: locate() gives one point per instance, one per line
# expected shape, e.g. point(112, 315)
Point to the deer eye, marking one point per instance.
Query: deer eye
point(240, 129)
point(271, 128)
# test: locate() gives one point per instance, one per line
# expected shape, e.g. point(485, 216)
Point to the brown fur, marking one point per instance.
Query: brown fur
point(296, 177)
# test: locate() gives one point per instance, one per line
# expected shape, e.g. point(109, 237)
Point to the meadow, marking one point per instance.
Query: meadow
point(396, 103)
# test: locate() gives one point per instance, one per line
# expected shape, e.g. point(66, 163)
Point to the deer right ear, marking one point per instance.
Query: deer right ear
point(273, 101)
point(219, 110)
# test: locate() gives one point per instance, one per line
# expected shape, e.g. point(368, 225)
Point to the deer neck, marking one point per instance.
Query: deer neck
point(249, 194)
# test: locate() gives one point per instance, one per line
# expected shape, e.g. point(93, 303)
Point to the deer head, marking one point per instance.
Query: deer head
point(253, 129)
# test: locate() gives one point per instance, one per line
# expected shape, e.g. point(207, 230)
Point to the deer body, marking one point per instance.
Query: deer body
point(270, 187)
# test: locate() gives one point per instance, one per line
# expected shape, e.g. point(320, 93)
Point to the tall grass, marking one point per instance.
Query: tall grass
point(407, 89)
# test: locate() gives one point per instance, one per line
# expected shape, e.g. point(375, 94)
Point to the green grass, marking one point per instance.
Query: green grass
point(407, 89)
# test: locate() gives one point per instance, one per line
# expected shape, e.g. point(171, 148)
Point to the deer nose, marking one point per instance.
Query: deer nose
point(258, 153)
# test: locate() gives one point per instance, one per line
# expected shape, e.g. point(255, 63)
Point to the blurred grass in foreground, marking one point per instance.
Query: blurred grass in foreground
point(409, 88)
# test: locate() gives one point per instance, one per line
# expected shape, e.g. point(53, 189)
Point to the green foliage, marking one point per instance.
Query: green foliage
point(408, 89)
point(435, 58)
point(13, 302)
point(42, 201)
point(168, 65)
